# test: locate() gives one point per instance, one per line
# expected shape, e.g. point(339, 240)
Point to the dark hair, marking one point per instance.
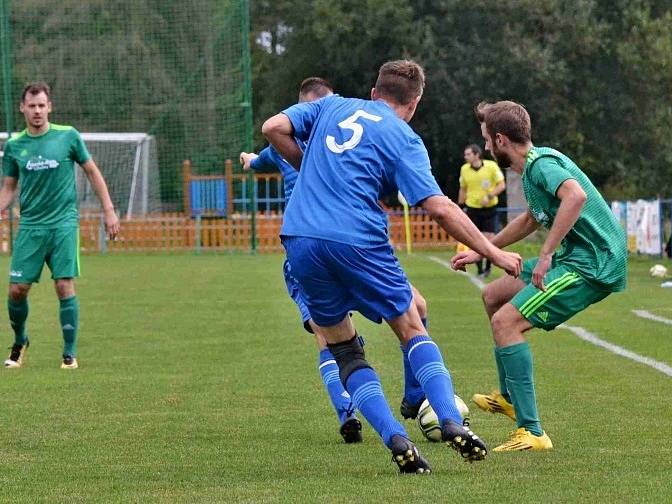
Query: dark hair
point(35, 88)
point(400, 81)
point(506, 117)
point(316, 85)
point(476, 149)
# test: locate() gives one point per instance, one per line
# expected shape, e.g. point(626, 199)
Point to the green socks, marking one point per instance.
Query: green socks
point(18, 313)
point(69, 315)
point(502, 376)
point(517, 363)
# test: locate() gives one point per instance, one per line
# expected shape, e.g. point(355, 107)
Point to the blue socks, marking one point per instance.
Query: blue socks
point(340, 399)
point(427, 364)
point(412, 389)
point(367, 395)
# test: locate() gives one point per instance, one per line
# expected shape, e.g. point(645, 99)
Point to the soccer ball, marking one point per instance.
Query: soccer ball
point(429, 422)
point(658, 271)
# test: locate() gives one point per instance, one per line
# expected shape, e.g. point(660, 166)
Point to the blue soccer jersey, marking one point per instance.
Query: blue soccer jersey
point(270, 160)
point(357, 151)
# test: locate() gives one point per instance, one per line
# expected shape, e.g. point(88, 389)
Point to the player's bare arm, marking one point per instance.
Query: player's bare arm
point(516, 230)
point(572, 199)
point(462, 196)
point(8, 192)
point(279, 131)
point(100, 187)
point(451, 218)
point(246, 159)
point(519, 228)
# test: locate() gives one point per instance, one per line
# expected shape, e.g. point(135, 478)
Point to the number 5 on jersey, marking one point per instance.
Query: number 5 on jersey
point(357, 131)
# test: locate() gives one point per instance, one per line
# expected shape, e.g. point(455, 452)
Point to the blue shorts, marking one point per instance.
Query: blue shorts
point(336, 278)
point(294, 292)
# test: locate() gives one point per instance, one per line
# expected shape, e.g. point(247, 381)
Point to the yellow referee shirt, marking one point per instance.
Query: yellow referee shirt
point(479, 183)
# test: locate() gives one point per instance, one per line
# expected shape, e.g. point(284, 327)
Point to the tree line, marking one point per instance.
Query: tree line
point(171, 69)
point(595, 75)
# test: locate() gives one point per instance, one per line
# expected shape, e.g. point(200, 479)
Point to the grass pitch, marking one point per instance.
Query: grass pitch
point(197, 383)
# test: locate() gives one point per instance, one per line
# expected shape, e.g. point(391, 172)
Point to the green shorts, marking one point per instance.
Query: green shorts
point(59, 248)
point(567, 293)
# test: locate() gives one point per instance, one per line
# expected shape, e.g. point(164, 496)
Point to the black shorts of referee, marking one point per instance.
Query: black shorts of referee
point(485, 219)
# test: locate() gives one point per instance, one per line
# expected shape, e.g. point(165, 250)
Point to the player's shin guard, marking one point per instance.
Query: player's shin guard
point(429, 369)
point(501, 372)
point(18, 313)
point(69, 316)
point(517, 362)
point(413, 393)
point(363, 385)
point(340, 399)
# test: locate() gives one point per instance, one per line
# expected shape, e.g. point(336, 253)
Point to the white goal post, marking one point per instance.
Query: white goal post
point(129, 164)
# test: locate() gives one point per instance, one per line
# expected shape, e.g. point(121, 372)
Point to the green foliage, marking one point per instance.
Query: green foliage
point(342, 41)
point(172, 69)
point(646, 58)
point(595, 75)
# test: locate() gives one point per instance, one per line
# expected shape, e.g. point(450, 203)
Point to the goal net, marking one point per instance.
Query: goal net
point(129, 164)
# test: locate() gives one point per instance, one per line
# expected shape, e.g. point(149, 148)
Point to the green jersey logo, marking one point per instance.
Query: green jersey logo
point(543, 315)
point(24, 153)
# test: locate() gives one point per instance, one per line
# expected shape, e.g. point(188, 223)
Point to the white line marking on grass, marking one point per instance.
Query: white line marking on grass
point(591, 338)
point(584, 334)
point(474, 280)
point(650, 316)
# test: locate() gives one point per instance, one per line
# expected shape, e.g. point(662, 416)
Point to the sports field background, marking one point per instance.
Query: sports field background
point(197, 384)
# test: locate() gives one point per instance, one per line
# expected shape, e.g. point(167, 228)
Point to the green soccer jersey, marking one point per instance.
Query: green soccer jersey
point(45, 168)
point(596, 245)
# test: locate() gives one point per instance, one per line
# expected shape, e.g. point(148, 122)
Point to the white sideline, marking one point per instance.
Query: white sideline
point(591, 338)
point(474, 280)
point(650, 316)
point(583, 333)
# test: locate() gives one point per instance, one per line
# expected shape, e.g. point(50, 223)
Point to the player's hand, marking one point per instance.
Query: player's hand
point(461, 259)
point(111, 224)
point(246, 159)
point(510, 262)
point(540, 270)
point(485, 201)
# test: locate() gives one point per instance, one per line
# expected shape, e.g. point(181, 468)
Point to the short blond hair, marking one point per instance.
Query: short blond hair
point(317, 85)
point(401, 81)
